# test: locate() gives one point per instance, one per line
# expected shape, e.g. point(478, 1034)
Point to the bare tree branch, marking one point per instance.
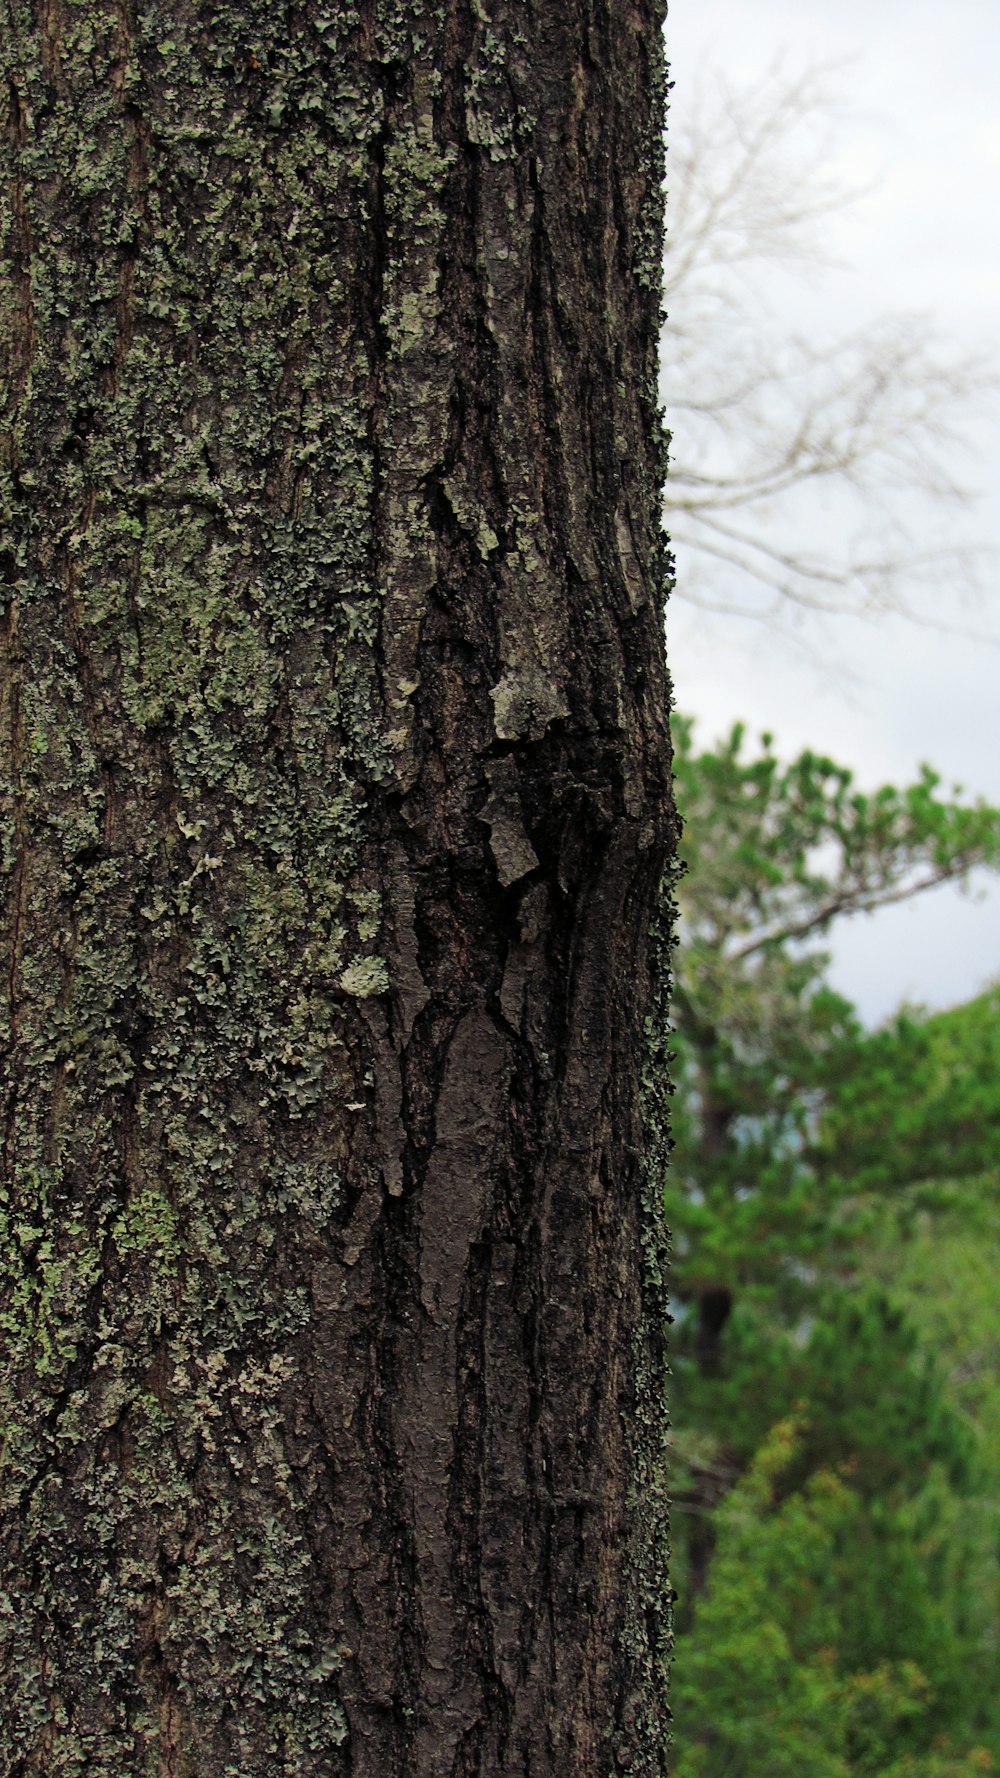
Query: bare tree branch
point(849, 901)
point(764, 420)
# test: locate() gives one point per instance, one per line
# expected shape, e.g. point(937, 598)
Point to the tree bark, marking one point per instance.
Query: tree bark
point(334, 765)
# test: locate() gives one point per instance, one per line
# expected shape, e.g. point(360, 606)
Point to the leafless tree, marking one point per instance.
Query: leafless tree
point(803, 459)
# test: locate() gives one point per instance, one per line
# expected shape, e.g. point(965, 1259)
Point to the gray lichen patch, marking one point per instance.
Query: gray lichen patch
point(525, 701)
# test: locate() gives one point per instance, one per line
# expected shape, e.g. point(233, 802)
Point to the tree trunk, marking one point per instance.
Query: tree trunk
point(714, 1306)
point(334, 764)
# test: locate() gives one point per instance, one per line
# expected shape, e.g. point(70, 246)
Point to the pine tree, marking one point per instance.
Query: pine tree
point(333, 753)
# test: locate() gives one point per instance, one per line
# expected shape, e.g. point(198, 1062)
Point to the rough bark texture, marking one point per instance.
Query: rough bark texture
point(333, 750)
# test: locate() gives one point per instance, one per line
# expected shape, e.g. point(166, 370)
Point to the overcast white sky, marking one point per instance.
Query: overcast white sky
point(921, 121)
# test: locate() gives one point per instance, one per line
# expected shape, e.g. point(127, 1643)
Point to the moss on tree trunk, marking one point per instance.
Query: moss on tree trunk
point(333, 755)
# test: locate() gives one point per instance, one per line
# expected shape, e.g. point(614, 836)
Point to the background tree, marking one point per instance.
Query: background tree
point(775, 856)
point(833, 1203)
point(835, 1497)
point(333, 754)
point(771, 418)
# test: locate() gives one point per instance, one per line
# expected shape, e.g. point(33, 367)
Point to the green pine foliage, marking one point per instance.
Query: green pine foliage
point(836, 1206)
point(935, 1083)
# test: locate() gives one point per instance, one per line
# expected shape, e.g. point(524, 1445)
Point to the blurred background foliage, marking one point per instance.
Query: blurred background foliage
point(835, 1202)
point(835, 1191)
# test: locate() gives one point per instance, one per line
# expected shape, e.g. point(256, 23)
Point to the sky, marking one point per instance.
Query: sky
point(917, 128)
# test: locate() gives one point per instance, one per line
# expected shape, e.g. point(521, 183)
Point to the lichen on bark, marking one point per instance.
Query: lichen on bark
point(333, 766)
